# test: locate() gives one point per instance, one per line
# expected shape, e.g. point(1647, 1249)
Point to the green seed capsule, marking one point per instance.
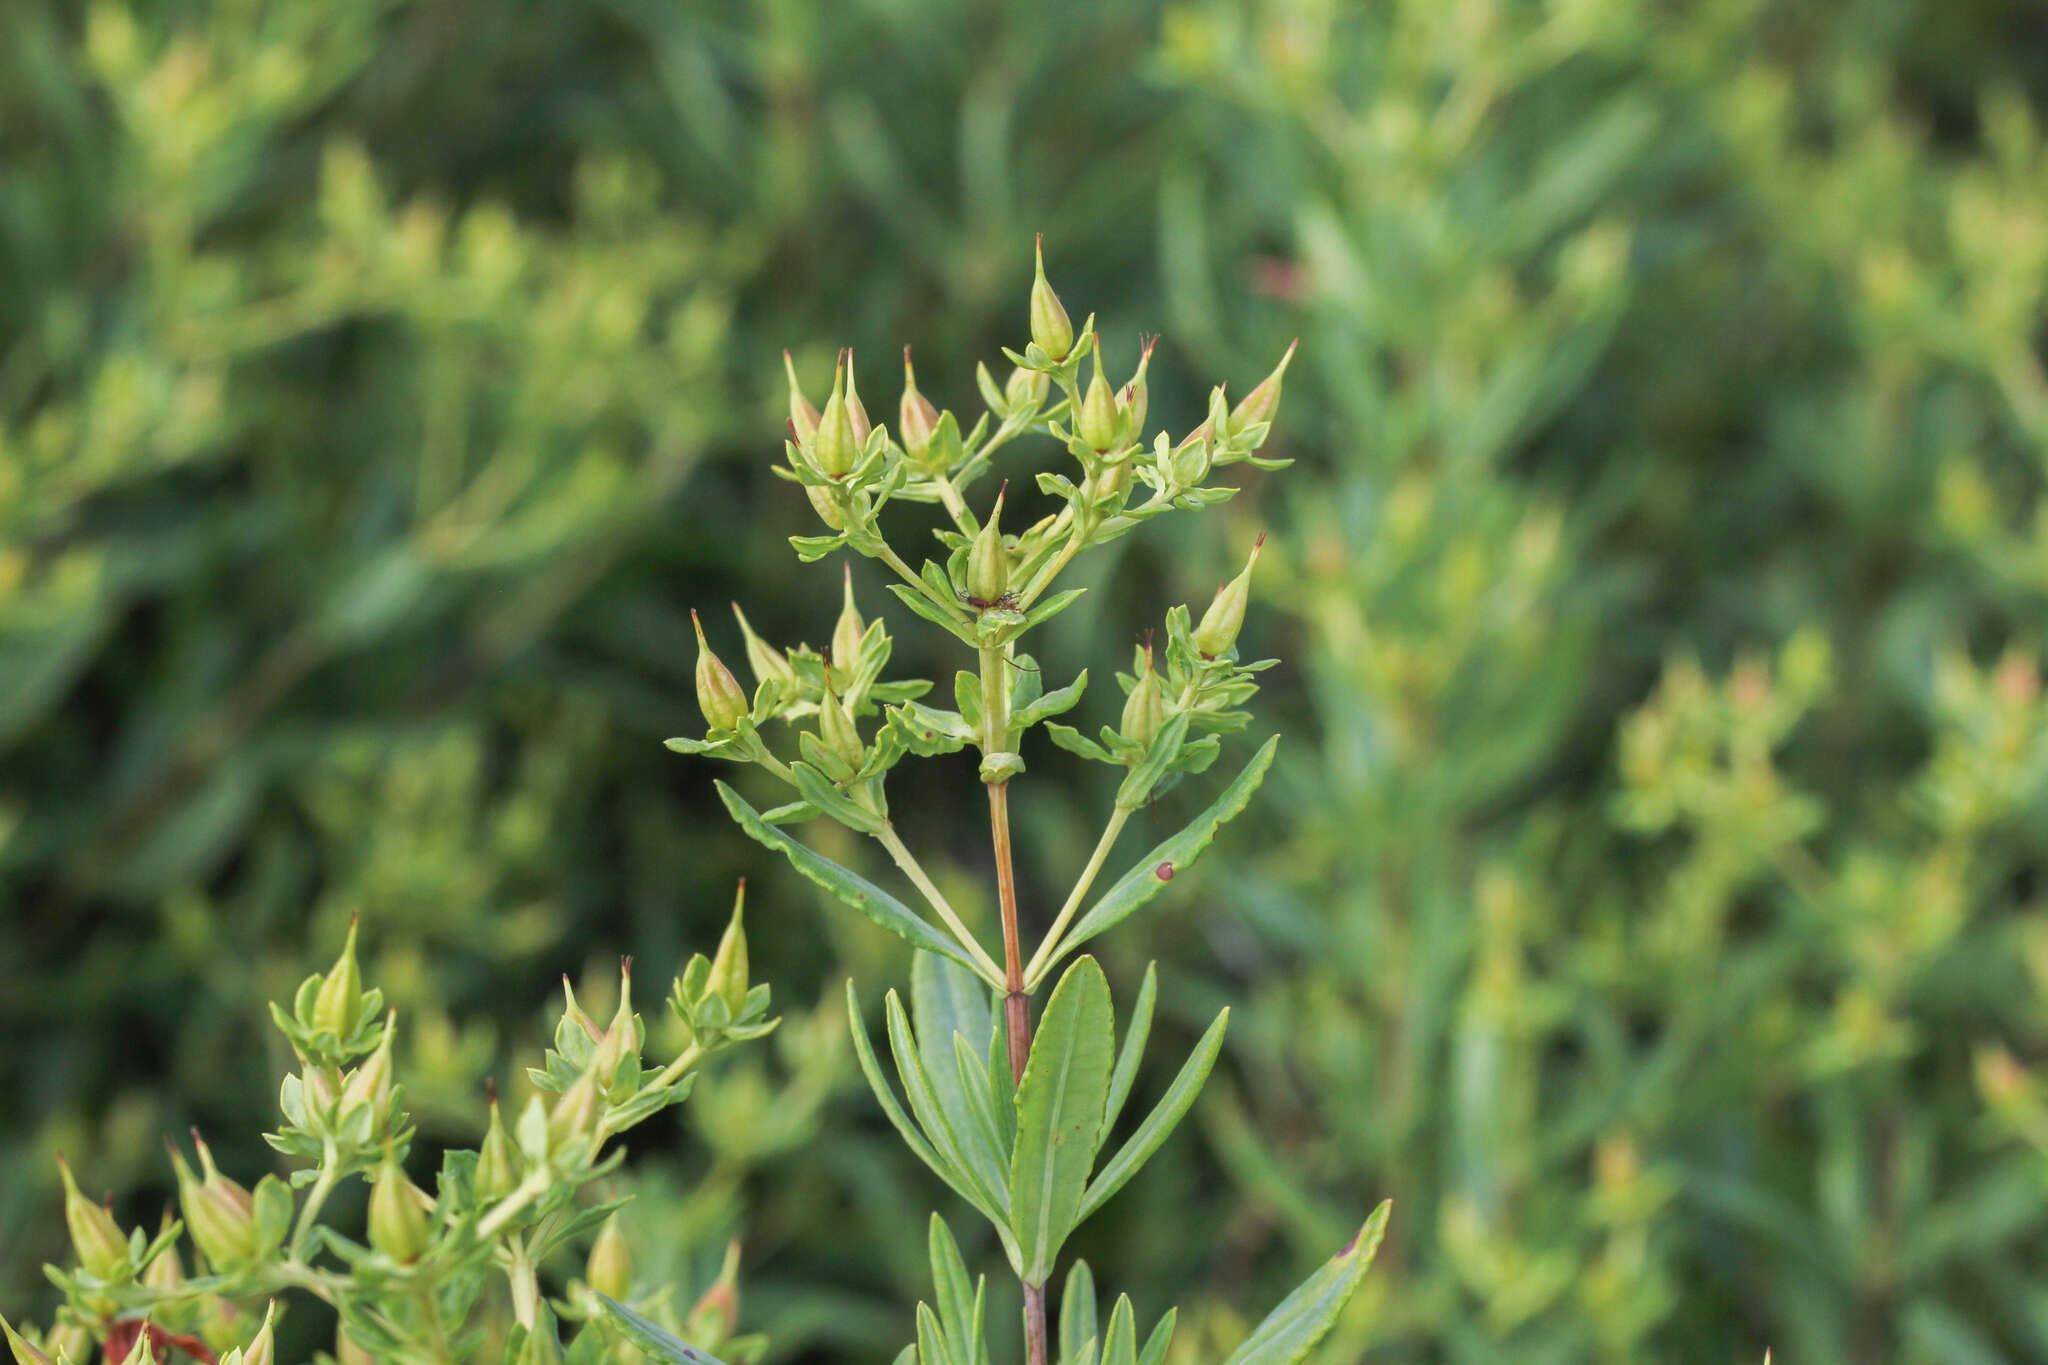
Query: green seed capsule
point(341, 992)
point(621, 1040)
point(917, 421)
point(803, 418)
point(1145, 708)
point(370, 1083)
point(768, 662)
point(847, 631)
point(729, 968)
point(835, 447)
point(610, 1267)
point(24, 1353)
point(95, 1236)
point(398, 1215)
point(718, 692)
point(497, 1162)
point(220, 1212)
point(1225, 616)
point(1262, 402)
point(1050, 326)
point(575, 1115)
point(988, 562)
point(1100, 427)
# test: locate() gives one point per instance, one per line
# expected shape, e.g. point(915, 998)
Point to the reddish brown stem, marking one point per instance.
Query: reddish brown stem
point(1017, 1019)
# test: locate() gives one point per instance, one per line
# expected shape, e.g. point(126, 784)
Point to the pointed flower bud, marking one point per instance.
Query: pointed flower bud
point(856, 415)
point(219, 1211)
point(715, 1314)
point(95, 1236)
point(847, 630)
point(24, 1352)
point(370, 1083)
point(622, 1038)
point(1099, 425)
point(167, 1271)
point(1262, 402)
point(803, 418)
point(917, 421)
point(576, 1113)
point(398, 1213)
point(341, 991)
point(768, 662)
point(497, 1162)
point(1132, 398)
point(1050, 326)
point(610, 1267)
point(263, 1350)
point(836, 447)
point(728, 977)
point(1225, 616)
point(718, 691)
point(575, 1014)
point(837, 730)
point(988, 562)
point(1145, 708)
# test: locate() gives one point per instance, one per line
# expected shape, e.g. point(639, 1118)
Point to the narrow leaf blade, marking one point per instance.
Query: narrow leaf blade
point(1060, 1104)
point(1290, 1330)
point(1160, 1123)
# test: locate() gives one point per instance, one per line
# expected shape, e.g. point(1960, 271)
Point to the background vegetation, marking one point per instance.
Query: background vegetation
point(1650, 894)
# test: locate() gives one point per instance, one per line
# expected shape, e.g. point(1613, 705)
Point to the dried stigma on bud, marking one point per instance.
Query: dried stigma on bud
point(769, 663)
point(803, 418)
point(836, 447)
point(729, 968)
point(917, 421)
point(1225, 616)
point(1262, 402)
point(988, 562)
point(341, 991)
point(1050, 326)
point(398, 1213)
point(610, 1267)
point(718, 692)
point(1132, 398)
point(95, 1236)
point(847, 630)
point(1145, 708)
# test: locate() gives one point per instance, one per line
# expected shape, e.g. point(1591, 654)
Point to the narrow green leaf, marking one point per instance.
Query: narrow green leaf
point(908, 1355)
point(950, 1283)
point(929, 610)
point(1074, 742)
point(1133, 1050)
point(848, 887)
point(1120, 1338)
point(653, 1339)
point(973, 1162)
point(1159, 756)
point(1051, 607)
point(1300, 1321)
point(978, 1096)
point(1161, 1338)
point(1170, 858)
point(1077, 1311)
point(1160, 1122)
point(1060, 1104)
point(819, 790)
point(931, 1339)
point(946, 999)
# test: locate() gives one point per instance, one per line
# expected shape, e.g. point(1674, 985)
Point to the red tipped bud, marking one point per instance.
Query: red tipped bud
point(988, 562)
point(95, 1236)
point(715, 1314)
point(497, 1162)
point(836, 446)
point(1099, 423)
point(729, 968)
point(1145, 708)
point(1262, 402)
point(220, 1212)
point(917, 421)
point(848, 630)
point(341, 991)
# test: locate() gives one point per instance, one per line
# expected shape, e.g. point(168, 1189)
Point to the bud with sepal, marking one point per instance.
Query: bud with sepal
point(1217, 632)
point(398, 1213)
point(1051, 329)
point(220, 1213)
point(96, 1238)
point(718, 693)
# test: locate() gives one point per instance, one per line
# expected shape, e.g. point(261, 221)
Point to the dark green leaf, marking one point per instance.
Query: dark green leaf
point(1060, 1103)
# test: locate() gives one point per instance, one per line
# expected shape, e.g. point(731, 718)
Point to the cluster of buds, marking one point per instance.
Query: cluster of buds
point(715, 998)
point(345, 1098)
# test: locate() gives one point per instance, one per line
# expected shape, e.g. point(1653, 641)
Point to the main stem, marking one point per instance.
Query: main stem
point(1017, 1017)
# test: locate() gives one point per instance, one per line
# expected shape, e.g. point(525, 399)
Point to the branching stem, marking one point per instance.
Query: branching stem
point(1042, 960)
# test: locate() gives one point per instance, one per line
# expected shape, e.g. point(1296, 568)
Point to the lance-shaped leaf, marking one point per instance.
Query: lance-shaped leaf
point(1159, 756)
point(1300, 1321)
point(959, 1311)
point(652, 1338)
point(954, 1141)
point(847, 887)
point(1156, 1345)
point(1120, 1338)
point(1051, 703)
point(1060, 1103)
point(1077, 1311)
point(1168, 859)
point(1133, 1050)
point(1160, 1122)
point(819, 791)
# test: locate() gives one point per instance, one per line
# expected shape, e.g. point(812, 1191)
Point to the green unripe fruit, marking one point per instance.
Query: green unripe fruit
point(803, 418)
point(1225, 616)
point(988, 563)
point(917, 421)
point(341, 992)
point(95, 1236)
point(1100, 426)
point(729, 968)
point(847, 631)
point(836, 729)
point(610, 1267)
point(1050, 326)
point(398, 1217)
point(718, 692)
point(836, 447)
point(497, 1162)
point(1145, 708)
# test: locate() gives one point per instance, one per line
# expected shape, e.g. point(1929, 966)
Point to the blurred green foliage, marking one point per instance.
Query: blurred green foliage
point(1649, 897)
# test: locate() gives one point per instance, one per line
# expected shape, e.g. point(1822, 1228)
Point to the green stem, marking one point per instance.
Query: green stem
point(323, 1185)
point(914, 870)
point(1042, 960)
point(673, 1072)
